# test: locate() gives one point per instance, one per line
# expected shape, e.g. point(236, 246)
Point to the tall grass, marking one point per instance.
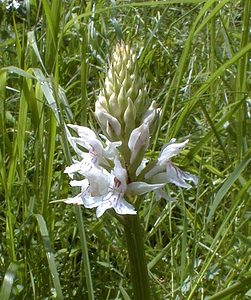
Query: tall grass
point(196, 57)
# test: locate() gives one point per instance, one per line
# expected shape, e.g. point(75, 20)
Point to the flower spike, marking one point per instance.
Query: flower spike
point(112, 166)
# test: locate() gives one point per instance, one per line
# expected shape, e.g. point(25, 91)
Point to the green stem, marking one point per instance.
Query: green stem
point(135, 244)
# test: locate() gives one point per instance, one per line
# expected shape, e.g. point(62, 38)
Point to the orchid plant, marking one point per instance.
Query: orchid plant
point(112, 166)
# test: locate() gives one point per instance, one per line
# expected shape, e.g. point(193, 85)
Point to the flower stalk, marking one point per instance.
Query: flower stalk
point(135, 239)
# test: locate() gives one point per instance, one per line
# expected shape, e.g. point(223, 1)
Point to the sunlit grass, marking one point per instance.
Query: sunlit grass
point(195, 57)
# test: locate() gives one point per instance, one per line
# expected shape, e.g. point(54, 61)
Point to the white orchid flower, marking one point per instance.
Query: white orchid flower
point(110, 151)
point(115, 196)
point(90, 196)
point(107, 189)
point(176, 176)
point(102, 189)
point(88, 162)
point(97, 153)
point(172, 173)
point(89, 140)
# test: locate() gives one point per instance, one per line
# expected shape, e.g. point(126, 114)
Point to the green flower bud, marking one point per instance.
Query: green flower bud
point(129, 117)
point(109, 124)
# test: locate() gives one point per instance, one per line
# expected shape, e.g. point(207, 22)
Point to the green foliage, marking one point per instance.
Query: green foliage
point(195, 57)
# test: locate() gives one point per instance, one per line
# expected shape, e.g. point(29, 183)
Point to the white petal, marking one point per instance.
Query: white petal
point(75, 200)
point(111, 150)
point(176, 176)
point(172, 178)
point(120, 173)
point(139, 188)
point(170, 150)
point(83, 131)
point(116, 202)
point(141, 166)
point(155, 170)
point(104, 205)
point(98, 188)
point(124, 208)
point(88, 164)
point(72, 142)
point(87, 200)
point(72, 169)
point(90, 202)
point(83, 183)
point(138, 140)
point(152, 113)
point(112, 124)
point(81, 142)
point(179, 177)
point(85, 165)
point(88, 139)
point(92, 145)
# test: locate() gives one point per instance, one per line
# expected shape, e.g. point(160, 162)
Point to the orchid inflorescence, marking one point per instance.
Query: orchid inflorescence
point(113, 167)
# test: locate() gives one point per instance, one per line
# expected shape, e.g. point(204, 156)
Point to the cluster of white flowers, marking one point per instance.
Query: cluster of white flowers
point(112, 166)
point(106, 183)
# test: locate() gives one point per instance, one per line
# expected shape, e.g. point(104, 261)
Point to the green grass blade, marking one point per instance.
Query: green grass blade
point(3, 80)
point(242, 79)
point(226, 186)
point(49, 255)
point(48, 168)
point(85, 253)
point(33, 44)
point(53, 14)
point(8, 281)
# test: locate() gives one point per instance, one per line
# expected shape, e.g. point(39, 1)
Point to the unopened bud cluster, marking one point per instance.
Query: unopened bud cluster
point(123, 95)
point(113, 165)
